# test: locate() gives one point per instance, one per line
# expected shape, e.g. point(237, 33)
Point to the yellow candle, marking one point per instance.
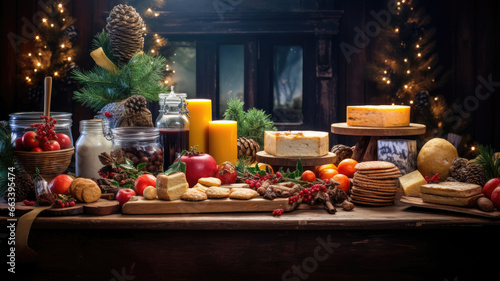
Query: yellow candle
point(200, 111)
point(223, 135)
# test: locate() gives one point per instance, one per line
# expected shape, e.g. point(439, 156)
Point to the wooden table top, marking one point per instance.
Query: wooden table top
point(398, 216)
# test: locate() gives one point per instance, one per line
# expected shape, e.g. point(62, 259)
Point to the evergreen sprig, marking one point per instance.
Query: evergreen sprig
point(251, 124)
point(7, 159)
point(489, 162)
point(142, 75)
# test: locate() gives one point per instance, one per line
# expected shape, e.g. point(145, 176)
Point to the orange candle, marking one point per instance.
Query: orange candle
point(223, 135)
point(200, 111)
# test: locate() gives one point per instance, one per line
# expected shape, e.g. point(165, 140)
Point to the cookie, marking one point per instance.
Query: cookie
point(73, 185)
point(91, 193)
point(210, 181)
point(371, 203)
point(243, 193)
point(215, 192)
point(374, 165)
point(200, 187)
point(388, 182)
point(391, 176)
point(80, 186)
point(193, 195)
point(361, 191)
point(371, 195)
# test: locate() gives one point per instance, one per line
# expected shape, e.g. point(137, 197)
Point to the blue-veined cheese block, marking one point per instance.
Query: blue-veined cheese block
point(402, 153)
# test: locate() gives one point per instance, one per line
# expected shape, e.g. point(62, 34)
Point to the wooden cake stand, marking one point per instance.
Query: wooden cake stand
point(308, 163)
point(366, 147)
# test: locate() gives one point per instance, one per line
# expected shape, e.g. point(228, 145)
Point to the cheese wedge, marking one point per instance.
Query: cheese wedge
point(296, 143)
point(411, 183)
point(378, 115)
point(171, 187)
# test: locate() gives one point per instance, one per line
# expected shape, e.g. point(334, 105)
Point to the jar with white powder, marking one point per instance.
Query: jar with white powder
point(89, 145)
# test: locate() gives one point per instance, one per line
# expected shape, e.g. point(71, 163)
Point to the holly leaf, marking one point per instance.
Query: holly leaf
point(141, 166)
point(177, 166)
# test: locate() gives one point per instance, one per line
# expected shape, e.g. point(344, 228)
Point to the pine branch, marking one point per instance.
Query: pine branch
point(488, 161)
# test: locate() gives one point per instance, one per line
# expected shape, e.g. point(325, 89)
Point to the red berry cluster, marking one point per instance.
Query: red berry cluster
point(62, 204)
point(45, 132)
point(307, 193)
point(28, 203)
point(277, 212)
point(107, 114)
point(434, 178)
point(257, 179)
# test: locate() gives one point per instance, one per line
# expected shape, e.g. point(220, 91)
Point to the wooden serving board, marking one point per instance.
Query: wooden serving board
point(290, 162)
point(100, 207)
point(412, 130)
point(417, 202)
point(139, 205)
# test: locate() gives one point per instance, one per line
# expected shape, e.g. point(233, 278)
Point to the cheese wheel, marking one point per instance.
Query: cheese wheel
point(378, 115)
point(296, 144)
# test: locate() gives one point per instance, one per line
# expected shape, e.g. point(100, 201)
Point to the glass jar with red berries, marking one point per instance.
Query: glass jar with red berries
point(140, 145)
point(58, 128)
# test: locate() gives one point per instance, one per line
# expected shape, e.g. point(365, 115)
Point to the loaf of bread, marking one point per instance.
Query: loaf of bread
point(171, 187)
point(451, 189)
point(469, 201)
point(296, 144)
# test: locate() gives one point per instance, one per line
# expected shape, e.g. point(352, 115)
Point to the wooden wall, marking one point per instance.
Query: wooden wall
point(467, 42)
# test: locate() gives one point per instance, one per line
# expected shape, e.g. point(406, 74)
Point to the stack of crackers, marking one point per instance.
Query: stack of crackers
point(375, 183)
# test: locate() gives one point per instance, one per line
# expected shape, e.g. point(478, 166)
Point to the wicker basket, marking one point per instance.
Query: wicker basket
point(50, 163)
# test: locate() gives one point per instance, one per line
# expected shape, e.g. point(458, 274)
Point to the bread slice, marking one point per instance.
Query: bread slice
point(451, 189)
point(469, 201)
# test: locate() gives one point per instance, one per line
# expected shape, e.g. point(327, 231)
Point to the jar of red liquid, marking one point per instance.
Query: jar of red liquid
point(173, 124)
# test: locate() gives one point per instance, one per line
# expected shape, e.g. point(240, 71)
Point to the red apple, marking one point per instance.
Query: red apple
point(144, 181)
point(60, 184)
point(30, 140)
point(51, 146)
point(64, 140)
point(495, 197)
point(37, 149)
point(124, 195)
point(18, 144)
point(490, 186)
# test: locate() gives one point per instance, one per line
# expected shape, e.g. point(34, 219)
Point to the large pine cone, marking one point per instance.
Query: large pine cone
point(126, 31)
point(248, 148)
point(458, 169)
point(135, 104)
point(342, 152)
point(475, 174)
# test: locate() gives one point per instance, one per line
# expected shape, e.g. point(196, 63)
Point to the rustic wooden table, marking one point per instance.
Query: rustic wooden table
point(369, 243)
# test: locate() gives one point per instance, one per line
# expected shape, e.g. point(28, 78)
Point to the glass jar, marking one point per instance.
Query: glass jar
point(173, 125)
point(20, 123)
point(89, 145)
point(140, 145)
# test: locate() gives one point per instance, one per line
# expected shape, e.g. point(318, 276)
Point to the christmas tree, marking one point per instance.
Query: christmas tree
point(405, 67)
point(52, 54)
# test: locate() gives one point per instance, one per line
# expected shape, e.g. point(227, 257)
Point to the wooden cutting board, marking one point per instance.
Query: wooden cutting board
point(139, 205)
point(417, 202)
point(308, 163)
point(100, 207)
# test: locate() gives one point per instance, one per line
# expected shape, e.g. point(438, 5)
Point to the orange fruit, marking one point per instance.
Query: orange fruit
point(308, 175)
point(345, 182)
point(321, 168)
point(328, 174)
point(346, 167)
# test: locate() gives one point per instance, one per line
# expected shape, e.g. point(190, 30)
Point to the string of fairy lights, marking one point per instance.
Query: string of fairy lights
point(46, 59)
point(407, 68)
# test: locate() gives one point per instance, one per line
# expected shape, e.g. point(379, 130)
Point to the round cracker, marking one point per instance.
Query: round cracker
point(362, 202)
point(369, 199)
point(375, 182)
point(73, 184)
point(395, 169)
point(215, 192)
point(91, 193)
point(374, 165)
point(80, 186)
point(358, 190)
point(372, 195)
point(391, 176)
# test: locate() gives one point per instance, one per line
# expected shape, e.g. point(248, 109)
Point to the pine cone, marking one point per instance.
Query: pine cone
point(422, 100)
point(25, 188)
point(342, 152)
point(248, 147)
point(135, 104)
point(458, 169)
point(126, 31)
point(475, 174)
